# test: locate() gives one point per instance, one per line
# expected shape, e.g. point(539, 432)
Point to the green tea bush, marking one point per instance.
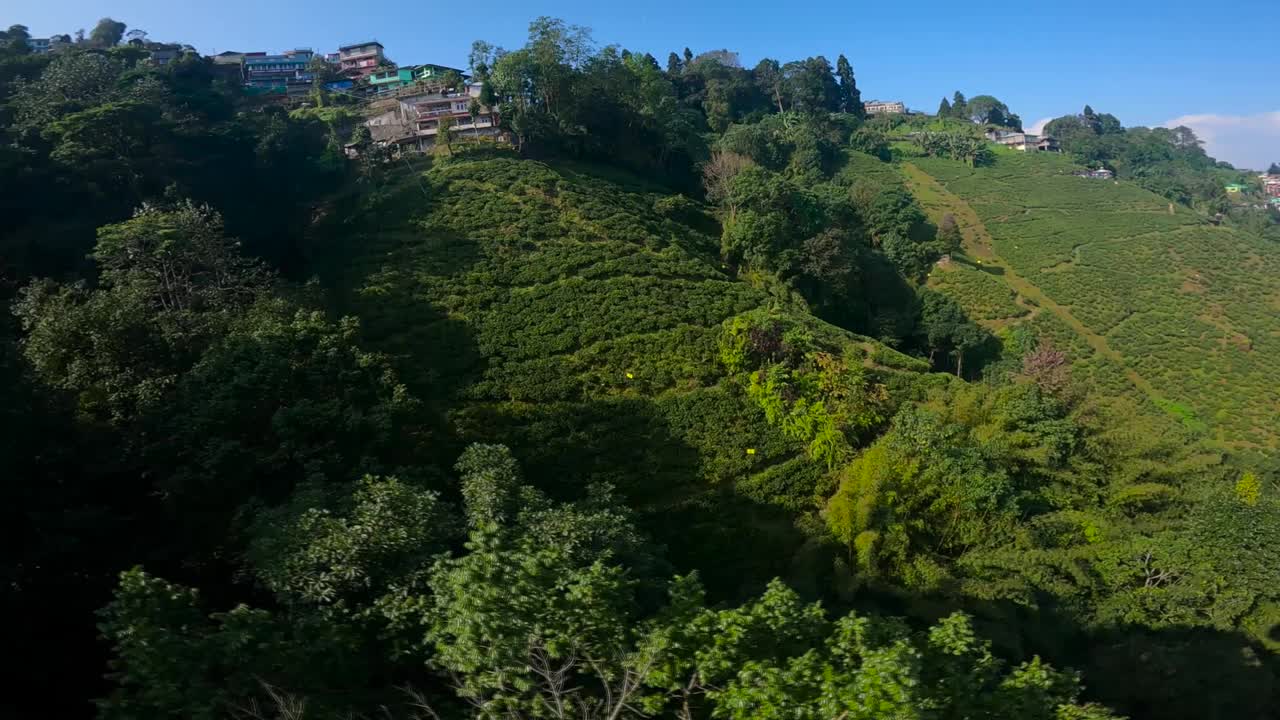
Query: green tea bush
point(1190, 307)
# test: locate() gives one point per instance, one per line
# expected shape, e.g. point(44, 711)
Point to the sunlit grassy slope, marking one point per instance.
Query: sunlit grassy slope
point(575, 316)
point(1189, 311)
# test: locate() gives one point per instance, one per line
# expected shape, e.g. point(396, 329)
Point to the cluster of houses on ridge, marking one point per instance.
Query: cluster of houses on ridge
point(405, 105)
point(1270, 189)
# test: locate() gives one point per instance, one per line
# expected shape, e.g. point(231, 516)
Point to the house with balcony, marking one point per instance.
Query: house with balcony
point(278, 73)
point(360, 59)
point(39, 46)
point(414, 121)
point(1023, 141)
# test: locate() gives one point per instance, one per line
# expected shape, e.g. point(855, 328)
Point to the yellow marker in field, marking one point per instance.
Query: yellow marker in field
point(630, 376)
point(751, 451)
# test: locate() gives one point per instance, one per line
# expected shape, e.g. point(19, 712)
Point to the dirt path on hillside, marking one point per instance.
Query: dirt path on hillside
point(937, 201)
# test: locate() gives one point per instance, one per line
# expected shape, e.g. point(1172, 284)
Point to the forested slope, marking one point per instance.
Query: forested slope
point(576, 313)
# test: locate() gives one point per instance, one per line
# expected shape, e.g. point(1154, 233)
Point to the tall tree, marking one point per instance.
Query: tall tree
point(988, 109)
point(14, 40)
point(959, 106)
point(850, 97)
point(944, 108)
point(768, 77)
point(674, 65)
point(811, 85)
point(688, 56)
point(1274, 169)
point(107, 33)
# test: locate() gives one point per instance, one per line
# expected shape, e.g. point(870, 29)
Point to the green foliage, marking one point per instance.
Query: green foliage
point(1168, 161)
point(945, 328)
point(659, 367)
point(965, 147)
point(306, 552)
point(768, 660)
point(820, 399)
point(1193, 309)
point(173, 658)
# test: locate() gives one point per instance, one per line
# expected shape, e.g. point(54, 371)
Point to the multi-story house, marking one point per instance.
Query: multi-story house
point(391, 79)
point(1271, 186)
point(360, 59)
point(431, 109)
point(395, 78)
point(40, 46)
point(1023, 141)
point(414, 121)
point(881, 107)
point(277, 72)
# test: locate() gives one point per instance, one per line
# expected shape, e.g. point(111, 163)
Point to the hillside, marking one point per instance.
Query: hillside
point(693, 391)
point(574, 313)
point(1186, 311)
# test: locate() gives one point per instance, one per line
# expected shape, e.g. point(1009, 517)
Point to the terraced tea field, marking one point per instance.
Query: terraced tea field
point(1190, 312)
point(576, 317)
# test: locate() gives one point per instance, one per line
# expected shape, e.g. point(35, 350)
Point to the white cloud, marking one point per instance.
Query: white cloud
point(1038, 127)
point(1246, 141)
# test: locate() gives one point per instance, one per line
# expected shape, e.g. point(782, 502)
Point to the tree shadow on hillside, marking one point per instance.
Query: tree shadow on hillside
point(735, 544)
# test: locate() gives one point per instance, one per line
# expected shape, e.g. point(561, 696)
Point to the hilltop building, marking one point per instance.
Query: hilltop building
point(883, 107)
point(163, 55)
point(1024, 141)
point(39, 46)
point(286, 73)
point(360, 59)
point(1096, 174)
point(1271, 186)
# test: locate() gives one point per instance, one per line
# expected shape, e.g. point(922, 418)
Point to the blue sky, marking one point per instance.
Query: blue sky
point(1150, 63)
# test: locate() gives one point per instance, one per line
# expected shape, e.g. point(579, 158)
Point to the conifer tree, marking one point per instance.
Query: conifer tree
point(944, 108)
point(959, 106)
point(673, 65)
point(850, 97)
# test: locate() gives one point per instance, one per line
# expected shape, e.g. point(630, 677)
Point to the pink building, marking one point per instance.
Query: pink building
point(361, 59)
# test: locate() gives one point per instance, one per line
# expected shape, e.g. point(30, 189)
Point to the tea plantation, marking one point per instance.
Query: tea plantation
point(1188, 307)
point(577, 319)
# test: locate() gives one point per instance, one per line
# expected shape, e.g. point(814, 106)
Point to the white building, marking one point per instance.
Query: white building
point(884, 107)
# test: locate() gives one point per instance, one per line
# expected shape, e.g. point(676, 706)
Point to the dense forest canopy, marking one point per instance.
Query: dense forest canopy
point(692, 400)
